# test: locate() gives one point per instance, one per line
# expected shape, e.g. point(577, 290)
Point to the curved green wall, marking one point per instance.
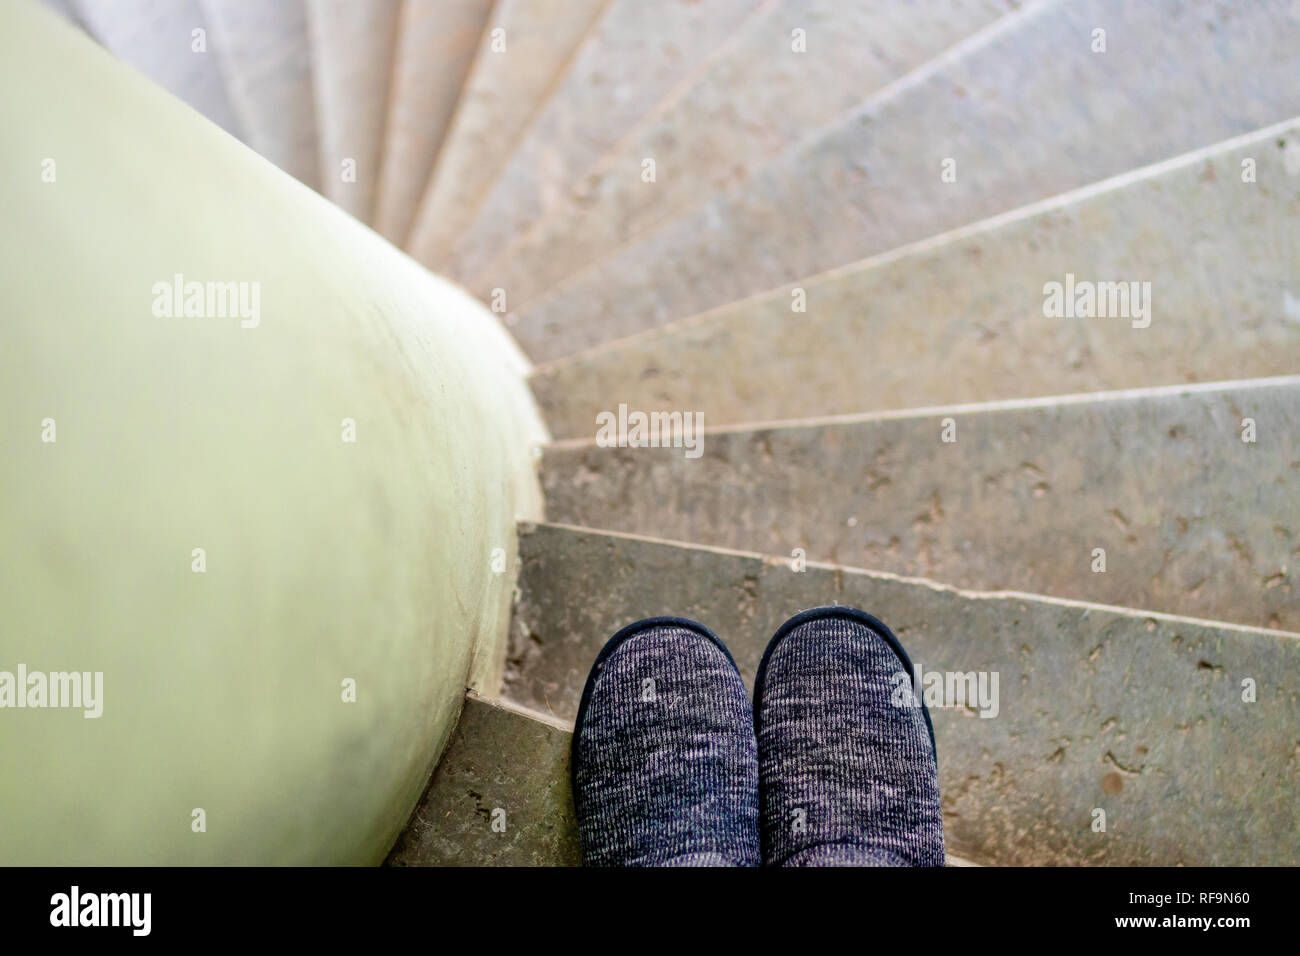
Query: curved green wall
point(326, 560)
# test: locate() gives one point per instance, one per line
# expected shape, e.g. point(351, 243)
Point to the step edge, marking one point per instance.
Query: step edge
point(505, 704)
point(974, 408)
point(526, 527)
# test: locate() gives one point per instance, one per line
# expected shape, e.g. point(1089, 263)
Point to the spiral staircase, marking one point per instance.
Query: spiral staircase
point(830, 226)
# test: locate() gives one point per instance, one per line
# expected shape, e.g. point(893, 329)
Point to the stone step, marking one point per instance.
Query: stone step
point(352, 58)
point(511, 762)
point(637, 55)
point(1192, 518)
point(746, 107)
point(530, 45)
point(265, 55)
point(960, 317)
point(158, 37)
point(436, 43)
point(1140, 715)
point(1174, 77)
point(502, 760)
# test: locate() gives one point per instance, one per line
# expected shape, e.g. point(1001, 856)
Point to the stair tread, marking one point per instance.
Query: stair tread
point(1135, 713)
point(156, 37)
point(1192, 519)
point(436, 43)
point(499, 759)
point(507, 759)
point(265, 55)
point(960, 318)
point(710, 137)
point(503, 93)
point(353, 44)
point(1174, 79)
point(637, 54)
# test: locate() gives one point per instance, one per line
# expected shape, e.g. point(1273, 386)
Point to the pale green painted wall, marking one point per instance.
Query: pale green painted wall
point(325, 560)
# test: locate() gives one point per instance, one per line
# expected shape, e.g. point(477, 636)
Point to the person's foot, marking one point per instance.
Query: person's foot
point(847, 776)
point(664, 761)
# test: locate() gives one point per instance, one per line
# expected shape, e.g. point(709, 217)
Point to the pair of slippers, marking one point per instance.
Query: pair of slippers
point(833, 765)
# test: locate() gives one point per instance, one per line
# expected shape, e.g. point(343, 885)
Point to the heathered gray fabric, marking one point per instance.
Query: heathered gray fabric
point(844, 854)
point(846, 777)
point(665, 760)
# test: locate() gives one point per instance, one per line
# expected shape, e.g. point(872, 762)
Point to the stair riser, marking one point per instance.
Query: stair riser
point(1193, 520)
point(963, 320)
point(1140, 717)
point(1175, 77)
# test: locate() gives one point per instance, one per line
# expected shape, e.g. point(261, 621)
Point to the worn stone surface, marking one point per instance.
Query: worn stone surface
point(503, 757)
point(156, 37)
point(352, 58)
point(636, 55)
point(500, 760)
point(514, 74)
point(1175, 77)
point(749, 105)
point(436, 43)
point(960, 319)
point(1139, 715)
point(1193, 520)
point(265, 55)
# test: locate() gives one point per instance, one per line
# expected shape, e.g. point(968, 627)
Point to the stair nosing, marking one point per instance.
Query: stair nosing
point(965, 593)
point(974, 408)
point(504, 702)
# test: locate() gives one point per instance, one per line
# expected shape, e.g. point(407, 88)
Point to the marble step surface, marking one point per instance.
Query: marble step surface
point(1137, 715)
point(769, 89)
point(963, 317)
point(962, 138)
point(1180, 499)
point(638, 58)
point(526, 54)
